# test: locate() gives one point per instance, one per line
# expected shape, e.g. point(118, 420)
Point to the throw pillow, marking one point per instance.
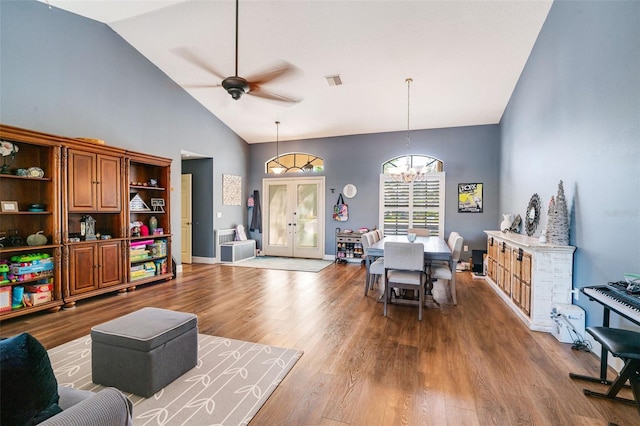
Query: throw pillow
point(28, 388)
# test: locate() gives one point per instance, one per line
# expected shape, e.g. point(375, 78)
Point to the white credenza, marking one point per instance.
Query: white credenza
point(529, 276)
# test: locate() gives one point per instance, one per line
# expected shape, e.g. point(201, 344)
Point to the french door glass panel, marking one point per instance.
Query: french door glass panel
point(278, 215)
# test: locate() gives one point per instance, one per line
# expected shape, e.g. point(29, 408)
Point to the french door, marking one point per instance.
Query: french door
point(293, 217)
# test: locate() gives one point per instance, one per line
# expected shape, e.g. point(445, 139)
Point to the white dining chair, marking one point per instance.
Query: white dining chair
point(404, 269)
point(420, 232)
point(445, 272)
point(376, 267)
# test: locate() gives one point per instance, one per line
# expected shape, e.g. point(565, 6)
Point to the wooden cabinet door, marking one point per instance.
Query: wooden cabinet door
point(83, 276)
point(504, 267)
point(82, 181)
point(94, 182)
point(110, 263)
point(108, 184)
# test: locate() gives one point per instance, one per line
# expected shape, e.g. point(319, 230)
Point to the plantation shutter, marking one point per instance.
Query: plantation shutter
point(412, 205)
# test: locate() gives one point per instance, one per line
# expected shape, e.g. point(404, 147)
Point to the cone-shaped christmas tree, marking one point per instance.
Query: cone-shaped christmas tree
point(558, 219)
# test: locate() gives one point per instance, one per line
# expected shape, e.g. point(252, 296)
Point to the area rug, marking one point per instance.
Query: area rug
point(284, 263)
point(227, 387)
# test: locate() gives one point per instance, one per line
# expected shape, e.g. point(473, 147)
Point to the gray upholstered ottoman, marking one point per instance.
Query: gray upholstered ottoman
point(144, 351)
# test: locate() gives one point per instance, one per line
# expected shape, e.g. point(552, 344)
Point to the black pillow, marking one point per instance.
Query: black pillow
point(28, 388)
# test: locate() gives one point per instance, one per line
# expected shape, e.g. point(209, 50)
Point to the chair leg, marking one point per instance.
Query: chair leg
point(386, 294)
point(629, 371)
point(452, 288)
point(421, 300)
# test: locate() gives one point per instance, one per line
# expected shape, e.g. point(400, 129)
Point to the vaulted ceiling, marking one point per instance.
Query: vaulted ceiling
point(465, 58)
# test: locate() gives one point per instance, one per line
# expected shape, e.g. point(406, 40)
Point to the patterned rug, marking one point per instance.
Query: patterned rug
point(284, 263)
point(227, 387)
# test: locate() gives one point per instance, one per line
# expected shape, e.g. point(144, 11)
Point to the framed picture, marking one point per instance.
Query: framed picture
point(9, 206)
point(157, 204)
point(231, 190)
point(469, 198)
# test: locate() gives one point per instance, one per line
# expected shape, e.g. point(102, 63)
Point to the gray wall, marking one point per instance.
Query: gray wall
point(575, 116)
point(71, 76)
point(470, 154)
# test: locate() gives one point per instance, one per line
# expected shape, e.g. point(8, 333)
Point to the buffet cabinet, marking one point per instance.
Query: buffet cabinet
point(66, 228)
point(529, 276)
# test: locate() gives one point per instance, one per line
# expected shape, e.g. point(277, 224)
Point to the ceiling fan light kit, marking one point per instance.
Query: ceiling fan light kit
point(236, 86)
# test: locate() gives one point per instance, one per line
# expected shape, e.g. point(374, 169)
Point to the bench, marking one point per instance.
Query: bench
point(235, 251)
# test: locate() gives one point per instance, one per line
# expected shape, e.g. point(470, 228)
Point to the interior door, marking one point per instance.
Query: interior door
point(186, 218)
point(293, 219)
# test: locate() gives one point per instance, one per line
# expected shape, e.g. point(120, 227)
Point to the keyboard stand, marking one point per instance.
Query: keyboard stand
point(604, 354)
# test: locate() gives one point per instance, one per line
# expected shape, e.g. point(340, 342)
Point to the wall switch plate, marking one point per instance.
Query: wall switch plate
point(219, 215)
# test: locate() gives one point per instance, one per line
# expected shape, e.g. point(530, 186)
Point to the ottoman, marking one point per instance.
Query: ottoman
point(144, 351)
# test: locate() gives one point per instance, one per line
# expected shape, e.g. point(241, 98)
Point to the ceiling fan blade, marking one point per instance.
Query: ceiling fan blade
point(279, 70)
point(186, 54)
point(200, 86)
point(265, 94)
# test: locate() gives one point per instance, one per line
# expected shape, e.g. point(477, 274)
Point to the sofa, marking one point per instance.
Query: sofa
point(30, 394)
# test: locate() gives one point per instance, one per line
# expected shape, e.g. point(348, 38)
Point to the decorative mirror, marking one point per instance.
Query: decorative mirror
point(349, 190)
point(532, 216)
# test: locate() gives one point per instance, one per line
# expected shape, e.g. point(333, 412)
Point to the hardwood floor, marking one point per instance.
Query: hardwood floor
point(471, 364)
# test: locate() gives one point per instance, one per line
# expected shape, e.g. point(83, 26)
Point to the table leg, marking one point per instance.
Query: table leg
point(429, 300)
point(367, 263)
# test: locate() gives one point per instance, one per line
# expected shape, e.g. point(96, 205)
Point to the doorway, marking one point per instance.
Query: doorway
point(293, 217)
point(186, 217)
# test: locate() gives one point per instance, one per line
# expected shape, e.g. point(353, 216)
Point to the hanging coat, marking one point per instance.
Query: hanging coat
point(256, 219)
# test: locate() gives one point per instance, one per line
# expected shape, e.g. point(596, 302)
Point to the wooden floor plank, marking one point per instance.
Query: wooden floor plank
point(470, 364)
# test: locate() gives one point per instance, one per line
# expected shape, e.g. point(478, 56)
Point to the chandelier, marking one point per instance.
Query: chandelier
point(279, 168)
point(407, 173)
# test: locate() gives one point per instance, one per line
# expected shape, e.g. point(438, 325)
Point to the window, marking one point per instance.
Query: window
point(422, 162)
point(295, 162)
point(412, 205)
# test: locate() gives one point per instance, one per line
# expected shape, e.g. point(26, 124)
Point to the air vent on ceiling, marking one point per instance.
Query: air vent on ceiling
point(334, 80)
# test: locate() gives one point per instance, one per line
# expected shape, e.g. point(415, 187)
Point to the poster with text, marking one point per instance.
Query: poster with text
point(469, 198)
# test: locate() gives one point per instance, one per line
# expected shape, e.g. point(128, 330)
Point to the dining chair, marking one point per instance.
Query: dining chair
point(379, 234)
point(420, 232)
point(450, 243)
point(376, 267)
point(404, 269)
point(444, 272)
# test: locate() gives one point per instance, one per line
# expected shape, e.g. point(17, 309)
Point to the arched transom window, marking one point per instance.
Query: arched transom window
point(423, 163)
point(295, 162)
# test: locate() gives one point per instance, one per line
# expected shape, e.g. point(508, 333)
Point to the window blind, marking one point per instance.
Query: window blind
point(412, 205)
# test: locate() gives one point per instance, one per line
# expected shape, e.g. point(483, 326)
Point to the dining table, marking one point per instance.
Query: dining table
point(435, 249)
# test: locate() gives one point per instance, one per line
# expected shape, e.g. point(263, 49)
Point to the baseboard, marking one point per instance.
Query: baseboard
point(208, 260)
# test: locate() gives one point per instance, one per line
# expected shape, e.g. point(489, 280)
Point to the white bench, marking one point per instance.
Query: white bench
point(235, 251)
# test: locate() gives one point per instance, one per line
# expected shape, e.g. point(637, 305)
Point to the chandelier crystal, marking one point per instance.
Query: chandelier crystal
point(407, 173)
point(279, 168)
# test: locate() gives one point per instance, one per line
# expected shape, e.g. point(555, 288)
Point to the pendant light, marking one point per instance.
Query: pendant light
point(279, 168)
point(407, 174)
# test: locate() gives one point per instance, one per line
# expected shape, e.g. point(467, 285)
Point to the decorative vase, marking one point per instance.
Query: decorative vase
point(153, 224)
point(507, 220)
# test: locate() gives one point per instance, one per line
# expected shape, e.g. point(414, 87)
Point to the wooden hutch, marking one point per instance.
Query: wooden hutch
point(84, 188)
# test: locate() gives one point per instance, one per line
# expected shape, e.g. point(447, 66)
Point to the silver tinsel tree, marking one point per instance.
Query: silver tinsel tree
point(558, 219)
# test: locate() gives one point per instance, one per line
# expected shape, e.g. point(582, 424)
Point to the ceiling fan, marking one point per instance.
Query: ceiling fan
point(237, 86)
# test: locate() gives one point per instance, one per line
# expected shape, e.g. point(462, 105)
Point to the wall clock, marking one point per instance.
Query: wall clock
point(349, 190)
